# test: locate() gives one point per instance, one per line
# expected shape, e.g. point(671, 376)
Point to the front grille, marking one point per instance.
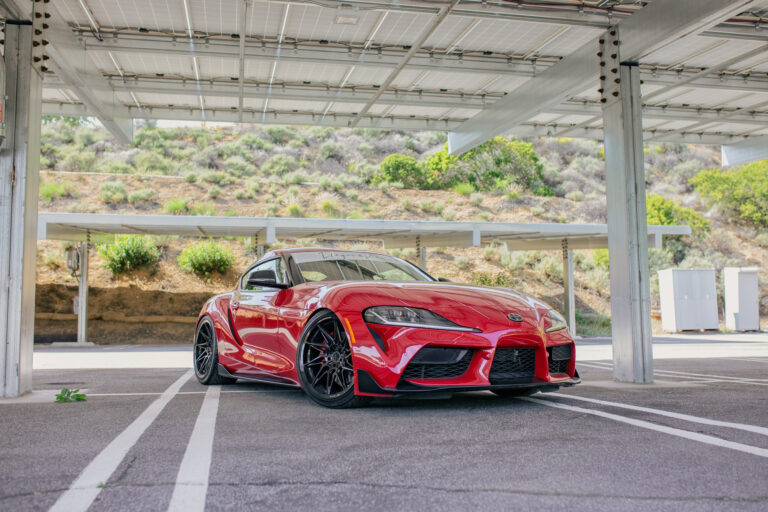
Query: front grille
point(513, 365)
point(559, 357)
point(417, 370)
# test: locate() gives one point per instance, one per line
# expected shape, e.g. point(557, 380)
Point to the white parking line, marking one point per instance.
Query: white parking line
point(660, 412)
point(88, 485)
point(693, 436)
point(192, 480)
point(692, 376)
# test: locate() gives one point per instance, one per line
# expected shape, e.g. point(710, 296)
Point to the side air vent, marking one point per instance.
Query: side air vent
point(559, 357)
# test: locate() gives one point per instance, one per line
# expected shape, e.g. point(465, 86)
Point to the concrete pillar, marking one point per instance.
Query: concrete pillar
point(569, 298)
point(19, 181)
point(82, 302)
point(627, 227)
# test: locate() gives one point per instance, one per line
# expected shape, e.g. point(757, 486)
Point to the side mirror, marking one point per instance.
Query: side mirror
point(444, 280)
point(264, 279)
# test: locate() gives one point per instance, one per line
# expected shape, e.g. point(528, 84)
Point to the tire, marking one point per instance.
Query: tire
point(513, 392)
point(205, 355)
point(324, 363)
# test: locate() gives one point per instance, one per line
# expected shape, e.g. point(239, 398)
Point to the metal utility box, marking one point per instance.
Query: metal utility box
point(688, 299)
point(741, 299)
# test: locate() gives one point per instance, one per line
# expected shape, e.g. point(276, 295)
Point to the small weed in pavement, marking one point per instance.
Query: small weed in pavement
point(70, 395)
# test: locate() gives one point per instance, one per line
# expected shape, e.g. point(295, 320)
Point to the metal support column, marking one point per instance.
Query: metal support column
point(569, 299)
point(421, 252)
point(627, 226)
point(82, 300)
point(19, 162)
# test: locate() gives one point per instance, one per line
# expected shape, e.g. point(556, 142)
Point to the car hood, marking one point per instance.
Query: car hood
point(471, 306)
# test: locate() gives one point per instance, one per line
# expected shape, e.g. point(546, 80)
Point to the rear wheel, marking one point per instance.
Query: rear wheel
point(513, 392)
point(324, 361)
point(206, 355)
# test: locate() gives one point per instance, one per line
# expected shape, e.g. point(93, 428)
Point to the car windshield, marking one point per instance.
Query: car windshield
point(353, 266)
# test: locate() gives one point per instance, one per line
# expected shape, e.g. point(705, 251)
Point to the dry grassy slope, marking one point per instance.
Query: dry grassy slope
point(572, 167)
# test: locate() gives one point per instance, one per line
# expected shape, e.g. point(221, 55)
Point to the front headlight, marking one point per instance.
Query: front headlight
point(558, 321)
point(411, 317)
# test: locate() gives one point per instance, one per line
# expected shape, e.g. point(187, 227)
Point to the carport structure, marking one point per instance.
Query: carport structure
point(626, 72)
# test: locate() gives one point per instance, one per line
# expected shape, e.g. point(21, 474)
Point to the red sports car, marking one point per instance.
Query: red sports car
point(346, 326)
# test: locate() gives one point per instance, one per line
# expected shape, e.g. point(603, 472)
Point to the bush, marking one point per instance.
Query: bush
point(112, 192)
point(205, 258)
point(214, 177)
point(280, 134)
point(477, 200)
point(667, 212)
point(204, 209)
point(464, 189)
point(50, 191)
point(330, 150)
point(238, 166)
point(214, 192)
point(128, 252)
point(144, 194)
point(177, 206)
point(499, 162)
point(402, 168)
point(190, 177)
point(741, 193)
point(74, 159)
point(253, 141)
point(280, 164)
point(152, 163)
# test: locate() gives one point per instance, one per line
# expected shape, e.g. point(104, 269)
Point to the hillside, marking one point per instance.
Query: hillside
point(327, 172)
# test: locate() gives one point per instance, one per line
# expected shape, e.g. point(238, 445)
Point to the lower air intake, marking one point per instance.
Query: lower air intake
point(559, 357)
point(438, 363)
point(512, 365)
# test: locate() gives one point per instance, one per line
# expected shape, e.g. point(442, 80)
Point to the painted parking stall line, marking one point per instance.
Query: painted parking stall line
point(192, 480)
point(87, 486)
point(693, 436)
point(703, 377)
point(659, 412)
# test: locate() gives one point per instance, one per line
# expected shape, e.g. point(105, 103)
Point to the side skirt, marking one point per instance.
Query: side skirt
point(264, 380)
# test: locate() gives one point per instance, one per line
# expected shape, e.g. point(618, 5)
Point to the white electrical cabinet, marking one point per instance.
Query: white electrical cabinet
point(741, 299)
point(688, 299)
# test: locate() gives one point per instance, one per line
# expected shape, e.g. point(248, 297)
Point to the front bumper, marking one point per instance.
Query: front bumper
point(519, 357)
point(367, 385)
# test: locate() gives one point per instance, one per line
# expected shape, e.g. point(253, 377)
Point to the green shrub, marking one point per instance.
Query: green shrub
point(741, 193)
point(252, 141)
point(330, 205)
point(177, 206)
point(238, 166)
point(112, 192)
point(294, 210)
point(499, 162)
point(144, 194)
point(128, 252)
point(666, 212)
point(214, 192)
point(280, 134)
point(73, 159)
point(204, 209)
point(153, 163)
point(190, 177)
point(401, 168)
point(205, 258)
point(51, 190)
point(465, 189)
point(485, 279)
point(592, 324)
point(329, 150)
point(462, 263)
point(214, 177)
point(114, 166)
point(279, 165)
point(477, 200)
point(600, 258)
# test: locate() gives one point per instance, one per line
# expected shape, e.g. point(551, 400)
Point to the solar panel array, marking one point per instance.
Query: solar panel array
point(352, 63)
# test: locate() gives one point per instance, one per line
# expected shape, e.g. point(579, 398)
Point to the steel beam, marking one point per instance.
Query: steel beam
point(653, 27)
point(19, 181)
point(82, 295)
point(744, 152)
point(73, 65)
point(569, 297)
point(627, 232)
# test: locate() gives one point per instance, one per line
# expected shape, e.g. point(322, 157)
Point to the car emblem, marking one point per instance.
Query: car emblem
point(515, 317)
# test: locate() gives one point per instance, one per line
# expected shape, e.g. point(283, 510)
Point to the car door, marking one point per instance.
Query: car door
point(256, 318)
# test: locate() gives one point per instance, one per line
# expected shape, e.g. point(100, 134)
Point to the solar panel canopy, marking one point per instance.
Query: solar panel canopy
point(411, 65)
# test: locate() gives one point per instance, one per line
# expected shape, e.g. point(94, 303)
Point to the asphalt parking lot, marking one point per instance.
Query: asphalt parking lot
point(153, 439)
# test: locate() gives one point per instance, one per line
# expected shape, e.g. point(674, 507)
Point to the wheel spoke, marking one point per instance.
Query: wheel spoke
point(322, 371)
point(326, 336)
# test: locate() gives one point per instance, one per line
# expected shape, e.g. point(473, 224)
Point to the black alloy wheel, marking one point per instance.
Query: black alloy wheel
point(206, 356)
point(324, 361)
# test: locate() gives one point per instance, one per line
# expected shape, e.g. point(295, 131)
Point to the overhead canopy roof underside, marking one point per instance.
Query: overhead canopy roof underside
point(396, 65)
point(393, 234)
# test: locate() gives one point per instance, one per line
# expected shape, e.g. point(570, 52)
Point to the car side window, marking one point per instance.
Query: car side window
point(275, 266)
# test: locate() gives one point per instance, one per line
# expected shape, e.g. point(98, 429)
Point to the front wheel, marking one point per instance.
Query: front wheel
point(324, 361)
point(206, 355)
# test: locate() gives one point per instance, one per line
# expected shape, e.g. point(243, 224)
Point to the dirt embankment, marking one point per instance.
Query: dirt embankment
point(118, 315)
